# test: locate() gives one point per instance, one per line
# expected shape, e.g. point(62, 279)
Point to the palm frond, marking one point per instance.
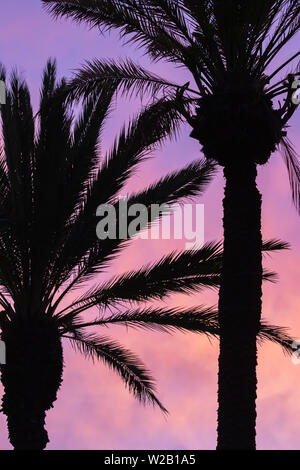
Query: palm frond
point(173, 17)
point(283, 65)
point(288, 24)
point(182, 272)
point(85, 250)
point(291, 160)
point(85, 148)
point(178, 272)
point(269, 276)
point(127, 365)
point(18, 137)
point(144, 134)
point(199, 320)
point(276, 334)
point(138, 21)
point(274, 245)
point(189, 182)
point(126, 75)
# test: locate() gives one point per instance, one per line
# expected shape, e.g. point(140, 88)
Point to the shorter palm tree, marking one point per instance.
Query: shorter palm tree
point(51, 185)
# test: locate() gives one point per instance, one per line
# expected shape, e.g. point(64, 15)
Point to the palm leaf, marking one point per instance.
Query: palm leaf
point(182, 272)
point(127, 75)
point(127, 365)
point(198, 320)
point(178, 272)
point(137, 20)
point(143, 135)
point(293, 166)
point(188, 182)
point(274, 245)
point(277, 335)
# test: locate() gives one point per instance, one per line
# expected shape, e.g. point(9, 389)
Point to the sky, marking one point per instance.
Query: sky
point(93, 409)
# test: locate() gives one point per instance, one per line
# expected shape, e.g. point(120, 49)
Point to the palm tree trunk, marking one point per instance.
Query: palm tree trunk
point(31, 378)
point(239, 308)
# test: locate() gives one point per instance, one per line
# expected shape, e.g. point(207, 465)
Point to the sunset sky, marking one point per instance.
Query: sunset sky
point(94, 410)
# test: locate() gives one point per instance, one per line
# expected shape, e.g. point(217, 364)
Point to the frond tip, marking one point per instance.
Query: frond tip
point(276, 334)
point(292, 162)
point(130, 368)
point(274, 245)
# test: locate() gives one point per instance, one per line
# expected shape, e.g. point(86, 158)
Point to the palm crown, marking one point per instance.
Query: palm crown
point(229, 47)
point(51, 187)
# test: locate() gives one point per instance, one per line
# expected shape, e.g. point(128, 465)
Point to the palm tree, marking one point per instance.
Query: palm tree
point(230, 48)
point(50, 188)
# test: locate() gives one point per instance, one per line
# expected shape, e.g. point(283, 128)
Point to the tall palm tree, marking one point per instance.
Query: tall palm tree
point(230, 48)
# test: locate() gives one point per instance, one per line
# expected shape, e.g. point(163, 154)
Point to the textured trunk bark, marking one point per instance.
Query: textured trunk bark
point(31, 378)
point(239, 308)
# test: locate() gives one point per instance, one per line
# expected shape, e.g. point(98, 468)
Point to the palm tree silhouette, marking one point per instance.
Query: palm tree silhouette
point(50, 188)
point(230, 48)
